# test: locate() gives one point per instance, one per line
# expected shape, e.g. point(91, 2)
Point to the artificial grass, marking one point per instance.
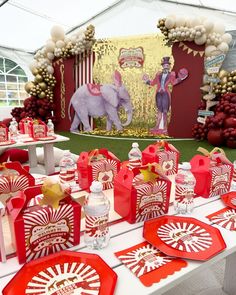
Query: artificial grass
point(121, 147)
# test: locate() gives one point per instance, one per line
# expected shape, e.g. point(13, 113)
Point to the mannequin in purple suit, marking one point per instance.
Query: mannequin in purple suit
point(163, 80)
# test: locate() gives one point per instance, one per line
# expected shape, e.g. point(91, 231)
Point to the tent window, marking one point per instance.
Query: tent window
point(12, 82)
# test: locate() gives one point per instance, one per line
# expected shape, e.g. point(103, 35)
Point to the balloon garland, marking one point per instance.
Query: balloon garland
point(40, 103)
point(219, 88)
point(198, 30)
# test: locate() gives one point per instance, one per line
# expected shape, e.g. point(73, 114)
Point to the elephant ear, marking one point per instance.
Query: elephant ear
point(117, 79)
point(110, 95)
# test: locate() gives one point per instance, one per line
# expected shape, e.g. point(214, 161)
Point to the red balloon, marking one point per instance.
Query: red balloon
point(6, 121)
point(215, 137)
point(221, 115)
point(230, 122)
point(231, 144)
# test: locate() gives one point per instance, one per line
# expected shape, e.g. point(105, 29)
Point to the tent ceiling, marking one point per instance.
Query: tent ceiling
point(26, 24)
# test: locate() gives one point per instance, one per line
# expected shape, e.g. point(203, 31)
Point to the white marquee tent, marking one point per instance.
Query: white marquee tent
point(25, 24)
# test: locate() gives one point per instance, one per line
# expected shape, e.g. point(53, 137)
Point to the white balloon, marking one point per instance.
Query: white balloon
point(209, 49)
point(224, 47)
point(195, 22)
point(188, 22)
point(208, 25)
point(169, 23)
point(219, 28)
point(57, 33)
point(73, 39)
point(180, 21)
point(178, 33)
point(33, 65)
point(200, 40)
point(60, 44)
point(50, 46)
point(50, 69)
point(67, 40)
point(198, 34)
point(50, 55)
point(227, 38)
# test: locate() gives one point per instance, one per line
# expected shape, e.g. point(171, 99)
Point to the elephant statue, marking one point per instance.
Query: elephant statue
point(101, 100)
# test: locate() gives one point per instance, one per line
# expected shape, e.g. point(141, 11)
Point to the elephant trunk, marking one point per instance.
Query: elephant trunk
point(129, 118)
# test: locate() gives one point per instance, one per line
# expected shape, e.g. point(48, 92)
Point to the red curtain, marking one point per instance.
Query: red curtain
point(186, 96)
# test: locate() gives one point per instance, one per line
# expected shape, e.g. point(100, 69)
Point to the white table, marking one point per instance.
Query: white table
point(124, 235)
point(48, 151)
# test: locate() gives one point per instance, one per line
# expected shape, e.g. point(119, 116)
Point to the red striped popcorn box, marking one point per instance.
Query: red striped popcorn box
point(138, 200)
point(213, 174)
point(164, 154)
point(40, 230)
point(99, 165)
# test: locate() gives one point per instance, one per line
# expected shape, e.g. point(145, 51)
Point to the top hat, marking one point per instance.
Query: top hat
point(165, 60)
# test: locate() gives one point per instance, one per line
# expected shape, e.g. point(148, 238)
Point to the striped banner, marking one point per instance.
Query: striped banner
point(84, 72)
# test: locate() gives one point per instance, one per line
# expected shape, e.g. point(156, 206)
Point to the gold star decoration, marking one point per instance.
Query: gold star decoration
point(148, 174)
point(52, 194)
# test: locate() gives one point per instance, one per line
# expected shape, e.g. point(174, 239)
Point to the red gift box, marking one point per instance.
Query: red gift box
point(137, 200)
point(100, 165)
point(213, 174)
point(41, 230)
point(24, 126)
point(164, 154)
point(3, 132)
point(14, 178)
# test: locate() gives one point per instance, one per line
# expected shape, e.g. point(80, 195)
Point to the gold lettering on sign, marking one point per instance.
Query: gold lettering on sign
point(63, 90)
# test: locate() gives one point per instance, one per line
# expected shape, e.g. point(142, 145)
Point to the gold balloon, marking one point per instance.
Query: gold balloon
point(224, 80)
point(35, 71)
point(229, 89)
point(234, 87)
point(28, 86)
point(43, 85)
point(222, 74)
point(38, 78)
point(234, 78)
point(42, 94)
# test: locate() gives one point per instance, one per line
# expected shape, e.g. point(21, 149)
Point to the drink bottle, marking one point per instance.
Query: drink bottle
point(13, 131)
point(50, 126)
point(67, 170)
point(96, 209)
point(135, 156)
point(184, 189)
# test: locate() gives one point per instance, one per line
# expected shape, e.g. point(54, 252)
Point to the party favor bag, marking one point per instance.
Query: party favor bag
point(141, 193)
point(43, 224)
point(213, 173)
point(164, 154)
point(100, 165)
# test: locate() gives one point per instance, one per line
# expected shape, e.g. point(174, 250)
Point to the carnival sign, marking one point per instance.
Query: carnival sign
point(131, 57)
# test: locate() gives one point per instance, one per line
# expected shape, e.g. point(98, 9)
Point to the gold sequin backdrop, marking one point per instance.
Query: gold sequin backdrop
point(142, 96)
